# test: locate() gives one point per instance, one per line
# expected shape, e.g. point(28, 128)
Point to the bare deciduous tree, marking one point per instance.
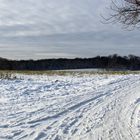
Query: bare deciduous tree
point(127, 13)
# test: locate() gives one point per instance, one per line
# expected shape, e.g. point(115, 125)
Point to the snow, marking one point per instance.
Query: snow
point(80, 107)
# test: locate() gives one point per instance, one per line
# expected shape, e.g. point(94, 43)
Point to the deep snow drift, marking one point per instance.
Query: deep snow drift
point(84, 107)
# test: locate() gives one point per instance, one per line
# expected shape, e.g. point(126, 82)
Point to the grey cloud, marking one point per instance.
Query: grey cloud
point(48, 16)
point(55, 28)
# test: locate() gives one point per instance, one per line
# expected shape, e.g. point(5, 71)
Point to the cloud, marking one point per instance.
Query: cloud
point(39, 17)
point(54, 28)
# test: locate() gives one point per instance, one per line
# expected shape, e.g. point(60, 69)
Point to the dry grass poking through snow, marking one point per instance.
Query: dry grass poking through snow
point(11, 75)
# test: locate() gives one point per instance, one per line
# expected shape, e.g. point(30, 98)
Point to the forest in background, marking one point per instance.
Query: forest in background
point(115, 62)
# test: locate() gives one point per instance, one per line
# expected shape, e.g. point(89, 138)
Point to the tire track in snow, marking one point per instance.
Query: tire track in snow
point(77, 106)
point(120, 133)
point(94, 113)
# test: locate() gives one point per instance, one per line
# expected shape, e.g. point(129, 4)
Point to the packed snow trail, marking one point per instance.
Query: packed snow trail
point(82, 107)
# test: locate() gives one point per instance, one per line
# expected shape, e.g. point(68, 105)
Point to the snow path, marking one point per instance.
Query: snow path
point(95, 107)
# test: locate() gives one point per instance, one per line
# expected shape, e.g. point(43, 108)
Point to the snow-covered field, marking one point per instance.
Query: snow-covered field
point(82, 107)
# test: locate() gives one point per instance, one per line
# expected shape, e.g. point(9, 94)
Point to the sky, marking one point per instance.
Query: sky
point(38, 29)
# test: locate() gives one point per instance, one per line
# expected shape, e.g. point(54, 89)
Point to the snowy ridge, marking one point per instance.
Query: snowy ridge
point(95, 107)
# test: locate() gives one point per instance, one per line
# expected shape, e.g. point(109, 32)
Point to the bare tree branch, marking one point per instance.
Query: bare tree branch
point(128, 13)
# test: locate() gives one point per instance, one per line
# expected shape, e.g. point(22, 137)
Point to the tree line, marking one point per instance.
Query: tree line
point(115, 61)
